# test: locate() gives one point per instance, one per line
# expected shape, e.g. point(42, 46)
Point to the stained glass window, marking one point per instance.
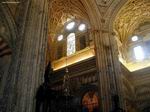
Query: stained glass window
point(71, 47)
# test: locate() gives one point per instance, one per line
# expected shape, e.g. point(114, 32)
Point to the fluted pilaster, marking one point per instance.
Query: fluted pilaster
point(108, 69)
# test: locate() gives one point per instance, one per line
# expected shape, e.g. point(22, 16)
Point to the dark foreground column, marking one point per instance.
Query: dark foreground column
point(28, 63)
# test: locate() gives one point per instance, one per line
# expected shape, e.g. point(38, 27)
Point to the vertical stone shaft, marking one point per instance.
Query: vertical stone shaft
point(27, 68)
point(33, 55)
point(108, 74)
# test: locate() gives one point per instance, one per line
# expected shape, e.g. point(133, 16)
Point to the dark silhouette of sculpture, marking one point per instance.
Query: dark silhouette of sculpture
point(43, 92)
point(48, 71)
point(116, 104)
point(48, 100)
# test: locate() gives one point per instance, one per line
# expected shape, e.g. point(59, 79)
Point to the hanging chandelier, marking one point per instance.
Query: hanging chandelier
point(66, 81)
point(66, 85)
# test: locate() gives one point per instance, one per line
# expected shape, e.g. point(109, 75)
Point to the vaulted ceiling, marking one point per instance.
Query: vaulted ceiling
point(130, 17)
point(132, 14)
point(61, 10)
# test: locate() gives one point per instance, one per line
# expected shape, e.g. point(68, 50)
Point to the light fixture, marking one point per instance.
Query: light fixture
point(70, 26)
point(134, 38)
point(138, 52)
point(60, 37)
point(81, 27)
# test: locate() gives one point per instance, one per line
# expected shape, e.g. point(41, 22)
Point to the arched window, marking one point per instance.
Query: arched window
point(72, 36)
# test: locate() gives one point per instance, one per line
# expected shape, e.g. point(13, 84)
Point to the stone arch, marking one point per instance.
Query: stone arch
point(5, 60)
point(9, 24)
point(110, 17)
point(112, 13)
point(94, 15)
point(8, 36)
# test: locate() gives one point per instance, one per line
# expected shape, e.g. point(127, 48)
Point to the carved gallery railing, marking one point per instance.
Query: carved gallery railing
point(84, 72)
point(82, 55)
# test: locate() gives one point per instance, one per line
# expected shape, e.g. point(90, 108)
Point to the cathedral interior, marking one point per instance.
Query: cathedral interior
point(74, 55)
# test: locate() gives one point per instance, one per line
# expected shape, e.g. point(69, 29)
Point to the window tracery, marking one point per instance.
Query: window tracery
point(73, 36)
point(71, 44)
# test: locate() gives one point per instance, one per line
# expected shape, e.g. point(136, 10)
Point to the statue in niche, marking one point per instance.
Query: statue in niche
point(43, 96)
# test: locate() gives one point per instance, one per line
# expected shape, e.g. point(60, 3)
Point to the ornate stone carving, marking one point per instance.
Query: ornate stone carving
point(61, 10)
point(130, 17)
point(103, 2)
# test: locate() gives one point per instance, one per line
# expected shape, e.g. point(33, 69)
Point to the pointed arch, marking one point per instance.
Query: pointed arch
point(93, 14)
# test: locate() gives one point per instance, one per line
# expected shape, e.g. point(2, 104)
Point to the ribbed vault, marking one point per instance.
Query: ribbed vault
point(61, 10)
point(134, 13)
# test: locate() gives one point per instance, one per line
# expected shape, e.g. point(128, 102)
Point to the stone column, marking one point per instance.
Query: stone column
point(28, 65)
point(108, 68)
